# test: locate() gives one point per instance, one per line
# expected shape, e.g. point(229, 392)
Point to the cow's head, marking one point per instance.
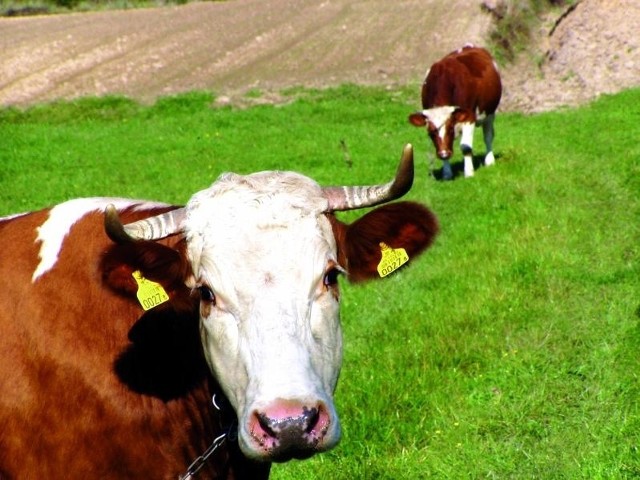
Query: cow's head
point(265, 252)
point(440, 124)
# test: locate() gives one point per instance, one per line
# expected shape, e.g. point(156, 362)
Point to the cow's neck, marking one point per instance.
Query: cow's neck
point(228, 434)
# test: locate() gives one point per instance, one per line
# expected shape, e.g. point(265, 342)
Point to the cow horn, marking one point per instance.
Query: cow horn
point(350, 198)
point(152, 228)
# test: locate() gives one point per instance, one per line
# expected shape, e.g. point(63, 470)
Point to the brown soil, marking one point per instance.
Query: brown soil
point(590, 50)
point(236, 46)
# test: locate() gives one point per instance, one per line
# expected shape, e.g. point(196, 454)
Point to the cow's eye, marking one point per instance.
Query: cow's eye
point(206, 294)
point(331, 277)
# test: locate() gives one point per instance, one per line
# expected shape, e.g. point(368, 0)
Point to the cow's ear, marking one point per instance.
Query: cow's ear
point(153, 260)
point(406, 225)
point(418, 119)
point(459, 115)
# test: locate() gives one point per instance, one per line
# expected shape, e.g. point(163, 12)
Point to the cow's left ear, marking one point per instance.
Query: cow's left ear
point(418, 119)
point(153, 260)
point(406, 225)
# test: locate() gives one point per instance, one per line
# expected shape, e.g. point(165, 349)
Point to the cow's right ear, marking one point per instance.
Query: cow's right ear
point(418, 119)
point(155, 261)
point(459, 115)
point(406, 225)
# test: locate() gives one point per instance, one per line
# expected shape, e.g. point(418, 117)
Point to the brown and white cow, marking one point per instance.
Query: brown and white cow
point(459, 92)
point(94, 386)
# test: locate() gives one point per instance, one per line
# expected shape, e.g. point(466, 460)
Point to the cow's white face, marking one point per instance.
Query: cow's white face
point(264, 252)
point(440, 127)
point(264, 258)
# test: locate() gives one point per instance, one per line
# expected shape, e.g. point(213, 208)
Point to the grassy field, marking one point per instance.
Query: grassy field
point(509, 350)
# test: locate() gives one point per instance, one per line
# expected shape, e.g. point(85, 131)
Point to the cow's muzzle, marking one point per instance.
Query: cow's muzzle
point(290, 429)
point(444, 154)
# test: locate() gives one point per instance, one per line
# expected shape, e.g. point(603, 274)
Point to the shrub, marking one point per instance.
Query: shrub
point(514, 22)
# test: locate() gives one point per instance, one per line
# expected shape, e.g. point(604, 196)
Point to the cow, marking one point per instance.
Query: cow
point(146, 340)
point(460, 91)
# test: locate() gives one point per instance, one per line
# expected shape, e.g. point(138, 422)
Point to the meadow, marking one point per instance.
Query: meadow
point(510, 349)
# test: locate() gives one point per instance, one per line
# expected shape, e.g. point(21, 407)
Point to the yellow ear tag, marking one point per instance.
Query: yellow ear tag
point(150, 294)
point(392, 259)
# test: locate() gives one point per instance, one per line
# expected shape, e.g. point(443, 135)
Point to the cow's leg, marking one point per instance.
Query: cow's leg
point(466, 145)
point(487, 131)
point(447, 173)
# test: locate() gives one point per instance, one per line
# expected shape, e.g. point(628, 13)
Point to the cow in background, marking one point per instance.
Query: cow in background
point(460, 91)
point(137, 342)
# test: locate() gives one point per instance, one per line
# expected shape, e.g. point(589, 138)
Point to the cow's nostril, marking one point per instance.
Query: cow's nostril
point(313, 417)
point(265, 424)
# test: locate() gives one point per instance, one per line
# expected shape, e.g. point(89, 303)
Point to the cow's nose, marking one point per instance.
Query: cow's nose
point(444, 154)
point(287, 429)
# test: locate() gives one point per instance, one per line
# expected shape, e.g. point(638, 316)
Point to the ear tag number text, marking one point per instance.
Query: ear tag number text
point(150, 294)
point(392, 259)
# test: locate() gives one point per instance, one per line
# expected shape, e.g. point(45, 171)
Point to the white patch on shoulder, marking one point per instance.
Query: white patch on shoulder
point(480, 116)
point(62, 217)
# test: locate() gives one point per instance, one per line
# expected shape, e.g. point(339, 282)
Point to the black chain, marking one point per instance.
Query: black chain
point(199, 462)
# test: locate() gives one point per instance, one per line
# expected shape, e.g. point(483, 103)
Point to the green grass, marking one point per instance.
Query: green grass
point(509, 350)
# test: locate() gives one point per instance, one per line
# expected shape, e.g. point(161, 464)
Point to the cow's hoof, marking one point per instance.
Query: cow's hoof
point(489, 159)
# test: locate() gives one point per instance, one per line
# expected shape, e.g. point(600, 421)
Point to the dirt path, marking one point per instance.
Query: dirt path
point(238, 45)
point(228, 47)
